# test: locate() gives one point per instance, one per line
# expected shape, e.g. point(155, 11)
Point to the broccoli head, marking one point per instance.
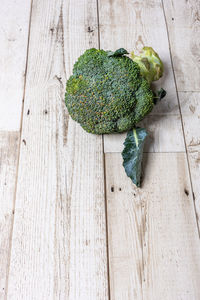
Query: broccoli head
point(110, 92)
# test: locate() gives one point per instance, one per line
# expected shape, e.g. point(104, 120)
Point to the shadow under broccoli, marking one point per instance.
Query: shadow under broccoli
point(110, 92)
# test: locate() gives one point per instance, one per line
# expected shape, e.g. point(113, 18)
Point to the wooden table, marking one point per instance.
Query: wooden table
point(72, 225)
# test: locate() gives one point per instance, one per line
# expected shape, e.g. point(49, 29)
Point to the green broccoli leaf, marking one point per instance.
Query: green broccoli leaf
point(159, 95)
point(118, 52)
point(133, 152)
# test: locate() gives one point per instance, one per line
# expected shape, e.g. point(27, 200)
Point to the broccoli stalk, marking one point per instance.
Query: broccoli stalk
point(151, 66)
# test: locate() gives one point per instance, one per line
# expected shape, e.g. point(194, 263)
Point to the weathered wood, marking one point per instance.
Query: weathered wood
point(152, 232)
point(190, 109)
point(159, 139)
point(59, 236)
point(194, 162)
point(183, 26)
point(14, 28)
point(154, 249)
point(8, 170)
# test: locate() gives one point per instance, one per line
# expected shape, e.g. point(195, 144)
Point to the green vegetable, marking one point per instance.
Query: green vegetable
point(133, 152)
point(107, 93)
point(110, 92)
point(151, 66)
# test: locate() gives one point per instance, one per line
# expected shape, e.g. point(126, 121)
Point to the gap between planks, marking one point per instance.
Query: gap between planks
point(104, 170)
point(19, 149)
point(106, 216)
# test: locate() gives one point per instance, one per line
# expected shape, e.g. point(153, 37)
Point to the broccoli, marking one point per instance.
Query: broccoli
point(110, 92)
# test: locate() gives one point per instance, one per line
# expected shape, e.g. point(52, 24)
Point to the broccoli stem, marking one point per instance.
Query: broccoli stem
point(151, 66)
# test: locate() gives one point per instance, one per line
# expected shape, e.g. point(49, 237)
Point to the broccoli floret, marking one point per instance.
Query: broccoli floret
point(109, 92)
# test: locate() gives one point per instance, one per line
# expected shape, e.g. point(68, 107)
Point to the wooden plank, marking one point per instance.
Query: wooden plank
point(14, 28)
point(183, 25)
point(154, 249)
point(8, 168)
point(194, 161)
point(59, 235)
point(190, 108)
point(159, 139)
point(152, 232)
point(131, 24)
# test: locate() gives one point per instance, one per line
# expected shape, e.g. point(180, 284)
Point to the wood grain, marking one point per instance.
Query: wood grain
point(8, 168)
point(14, 28)
point(190, 108)
point(154, 248)
point(152, 232)
point(194, 161)
point(59, 236)
point(58, 248)
point(183, 21)
point(159, 139)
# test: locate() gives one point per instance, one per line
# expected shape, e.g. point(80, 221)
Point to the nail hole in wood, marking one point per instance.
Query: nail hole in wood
point(120, 189)
point(112, 189)
point(186, 192)
point(172, 19)
point(28, 112)
point(45, 112)
point(89, 29)
point(24, 141)
point(58, 78)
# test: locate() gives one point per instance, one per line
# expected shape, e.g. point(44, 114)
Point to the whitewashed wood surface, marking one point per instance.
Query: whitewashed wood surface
point(72, 225)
